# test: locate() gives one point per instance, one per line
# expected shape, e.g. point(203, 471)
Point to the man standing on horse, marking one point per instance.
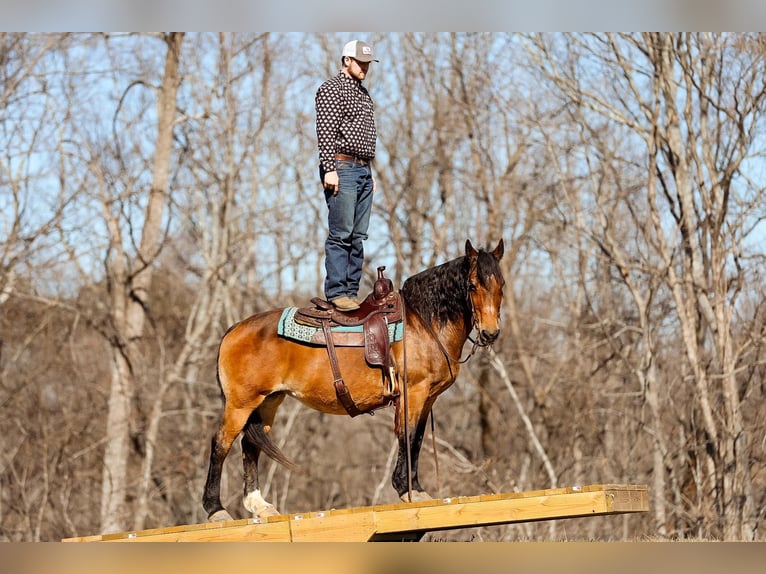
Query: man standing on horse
point(346, 136)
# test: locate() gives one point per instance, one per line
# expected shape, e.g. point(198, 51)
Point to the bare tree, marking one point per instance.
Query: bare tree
point(130, 280)
point(28, 216)
point(692, 104)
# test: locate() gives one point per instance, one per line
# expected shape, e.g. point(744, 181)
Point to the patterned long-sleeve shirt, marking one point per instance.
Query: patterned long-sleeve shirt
point(345, 120)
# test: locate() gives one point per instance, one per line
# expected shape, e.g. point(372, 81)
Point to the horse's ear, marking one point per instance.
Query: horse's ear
point(499, 250)
point(470, 252)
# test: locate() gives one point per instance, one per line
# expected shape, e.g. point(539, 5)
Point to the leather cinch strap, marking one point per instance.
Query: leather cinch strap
point(340, 386)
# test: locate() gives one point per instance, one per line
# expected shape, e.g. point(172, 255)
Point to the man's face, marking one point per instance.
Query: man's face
point(357, 69)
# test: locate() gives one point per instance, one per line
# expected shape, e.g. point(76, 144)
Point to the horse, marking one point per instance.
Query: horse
point(257, 369)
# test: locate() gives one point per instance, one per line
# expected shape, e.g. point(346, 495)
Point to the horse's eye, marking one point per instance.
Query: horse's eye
point(471, 287)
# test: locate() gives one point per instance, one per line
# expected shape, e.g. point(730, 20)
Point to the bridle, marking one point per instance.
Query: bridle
point(475, 343)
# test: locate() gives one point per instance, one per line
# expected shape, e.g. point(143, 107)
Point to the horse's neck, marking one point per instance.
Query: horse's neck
point(452, 334)
point(454, 344)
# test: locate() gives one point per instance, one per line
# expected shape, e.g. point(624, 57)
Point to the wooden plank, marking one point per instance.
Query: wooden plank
point(405, 521)
point(244, 530)
point(487, 511)
point(268, 532)
point(334, 527)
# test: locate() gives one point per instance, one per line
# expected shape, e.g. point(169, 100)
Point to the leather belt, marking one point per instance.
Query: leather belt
point(359, 160)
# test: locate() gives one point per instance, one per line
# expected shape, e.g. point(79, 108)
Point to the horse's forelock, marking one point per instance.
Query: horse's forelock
point(487, 267)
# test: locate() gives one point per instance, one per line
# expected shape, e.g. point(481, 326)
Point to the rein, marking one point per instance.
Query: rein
point(404, 402)
point(449, 360)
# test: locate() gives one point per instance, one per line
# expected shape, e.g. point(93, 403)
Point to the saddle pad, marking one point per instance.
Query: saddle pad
point(289, 328)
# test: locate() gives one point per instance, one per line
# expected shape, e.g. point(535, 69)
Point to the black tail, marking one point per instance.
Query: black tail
point(255, 432)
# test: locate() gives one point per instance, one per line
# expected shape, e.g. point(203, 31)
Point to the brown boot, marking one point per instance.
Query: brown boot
point(345, 303)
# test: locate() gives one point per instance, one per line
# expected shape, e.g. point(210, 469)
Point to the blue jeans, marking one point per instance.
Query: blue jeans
point(348, 220)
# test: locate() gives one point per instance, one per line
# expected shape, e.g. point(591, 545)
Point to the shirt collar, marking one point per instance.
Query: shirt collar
point(346, 78)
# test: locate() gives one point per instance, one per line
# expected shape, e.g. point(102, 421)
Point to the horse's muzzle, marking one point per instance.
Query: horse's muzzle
point(488, 337)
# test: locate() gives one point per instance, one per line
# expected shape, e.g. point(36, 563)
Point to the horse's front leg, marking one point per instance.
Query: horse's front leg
point(399, 478)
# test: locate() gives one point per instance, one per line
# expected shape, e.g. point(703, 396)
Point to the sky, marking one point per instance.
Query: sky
point(386, 15)
point(332, 15)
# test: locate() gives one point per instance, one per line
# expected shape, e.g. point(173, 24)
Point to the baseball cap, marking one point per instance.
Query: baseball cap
point(359, 50)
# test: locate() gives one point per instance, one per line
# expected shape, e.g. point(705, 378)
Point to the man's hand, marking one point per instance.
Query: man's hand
point(331, 181)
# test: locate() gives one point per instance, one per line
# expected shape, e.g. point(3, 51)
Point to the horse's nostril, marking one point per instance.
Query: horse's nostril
point(489, 336)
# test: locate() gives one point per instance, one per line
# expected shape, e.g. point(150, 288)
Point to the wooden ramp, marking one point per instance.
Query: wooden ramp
point(405, 521)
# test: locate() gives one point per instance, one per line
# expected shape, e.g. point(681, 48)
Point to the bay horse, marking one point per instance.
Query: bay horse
point(257, 369)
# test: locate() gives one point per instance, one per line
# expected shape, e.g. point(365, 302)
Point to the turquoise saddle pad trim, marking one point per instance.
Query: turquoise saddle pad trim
point(287, 327)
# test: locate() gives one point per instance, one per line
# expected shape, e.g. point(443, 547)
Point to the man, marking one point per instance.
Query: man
point(346, 138)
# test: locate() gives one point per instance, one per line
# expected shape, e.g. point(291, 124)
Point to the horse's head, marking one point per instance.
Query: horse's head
point(485, 290)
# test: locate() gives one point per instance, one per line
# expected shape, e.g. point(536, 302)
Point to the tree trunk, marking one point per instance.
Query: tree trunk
point(129, 303)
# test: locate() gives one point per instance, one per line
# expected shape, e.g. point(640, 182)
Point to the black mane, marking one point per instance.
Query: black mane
point(440, 294)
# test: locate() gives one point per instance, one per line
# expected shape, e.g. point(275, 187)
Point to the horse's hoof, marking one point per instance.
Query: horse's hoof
point(267, 511)
point(219, 516)
point(417, 496)
point(257, 505)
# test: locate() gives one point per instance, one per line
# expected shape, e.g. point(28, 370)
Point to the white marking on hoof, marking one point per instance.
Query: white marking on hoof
point(257, 505)
point(268, 510)
point(417, 496)
point(220, 516)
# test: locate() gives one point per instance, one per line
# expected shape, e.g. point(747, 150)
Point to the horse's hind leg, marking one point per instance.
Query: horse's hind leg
point(399, 478)
point(232, 424)
point(260, 420)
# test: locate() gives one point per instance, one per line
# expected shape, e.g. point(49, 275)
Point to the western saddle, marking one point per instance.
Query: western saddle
point(381, 308)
